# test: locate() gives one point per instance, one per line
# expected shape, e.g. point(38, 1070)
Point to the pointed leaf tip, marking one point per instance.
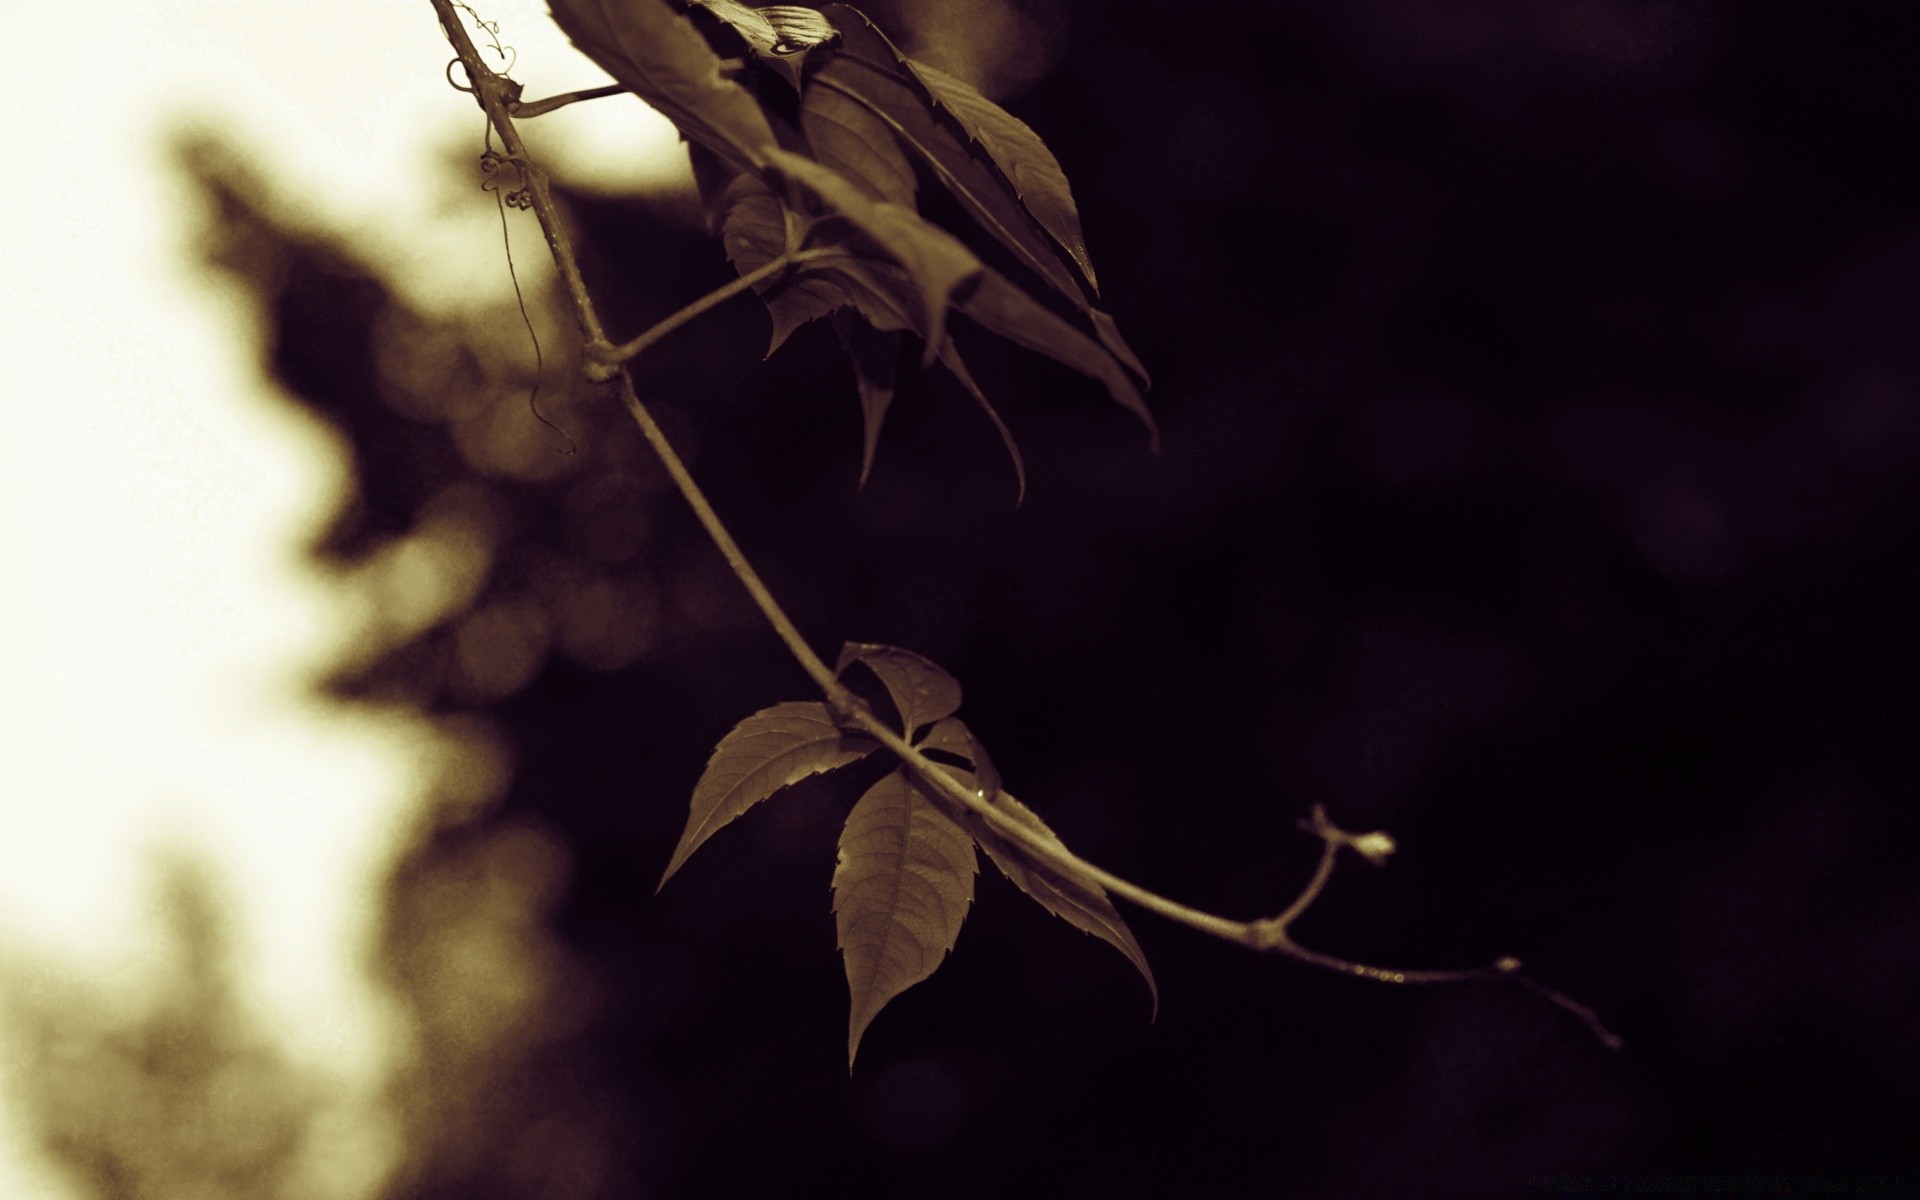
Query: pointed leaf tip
point(950, 357)
point(770, 750)
point(1023, 159)
point(876, 358)
point(1074, 897)
point(901, 890)
point(998, 305)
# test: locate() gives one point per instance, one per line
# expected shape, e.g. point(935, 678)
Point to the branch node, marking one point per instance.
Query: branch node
point(601, 360)
point(1266, 935)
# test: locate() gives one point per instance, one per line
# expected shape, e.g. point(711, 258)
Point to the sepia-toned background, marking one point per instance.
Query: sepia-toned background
point(1540, 386)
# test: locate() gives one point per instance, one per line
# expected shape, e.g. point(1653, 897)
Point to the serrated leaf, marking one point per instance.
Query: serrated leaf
point(997, 305)
point(870, 70)
point(920, 689)
point(950, 358)
point(934, 259)
point(772, 749)
point(876, 358)
point(1029, 167)
point(780, 36)
point(951, 735)
point(660, 57)
point(753, 227)
point(901, 890)
point(1075, 898)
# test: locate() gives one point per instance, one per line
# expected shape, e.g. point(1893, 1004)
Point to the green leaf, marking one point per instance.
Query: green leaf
point(1073, 896)
point(876, 357)
point(1029, 167)
point(780, 36)
point(933, 258)
point(1000, 307)
point(661, 58)
point(901, 889)
point(772, 749)
point(920, 689)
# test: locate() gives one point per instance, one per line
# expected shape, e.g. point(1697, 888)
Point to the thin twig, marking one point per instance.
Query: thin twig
point(497, 95)
point(611, 355)
point(540, 108)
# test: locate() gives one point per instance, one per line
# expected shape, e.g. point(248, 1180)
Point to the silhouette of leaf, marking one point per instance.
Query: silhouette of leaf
point(1074, 897)
point(921, 690)
point(772, 749)
point(662, 58)
point(933, 258)
point(876, 356)
point(901, 889)
point(1029, 167)
point(1000, 307)
point(780, 36)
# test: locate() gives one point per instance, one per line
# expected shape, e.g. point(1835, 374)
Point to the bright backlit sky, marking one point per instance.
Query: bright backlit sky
point(157, 623)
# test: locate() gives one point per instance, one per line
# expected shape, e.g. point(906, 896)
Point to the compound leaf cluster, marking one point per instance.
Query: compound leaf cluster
point(810, 133)
point(904, 879)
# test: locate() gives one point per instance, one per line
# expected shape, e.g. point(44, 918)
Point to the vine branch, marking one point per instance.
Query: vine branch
point(499, 97)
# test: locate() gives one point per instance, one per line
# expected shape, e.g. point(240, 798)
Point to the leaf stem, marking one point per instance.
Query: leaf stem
point(540, 108)
point(497, 96)
point(610, 355)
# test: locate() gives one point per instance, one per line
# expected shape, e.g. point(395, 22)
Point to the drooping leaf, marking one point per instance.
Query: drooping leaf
point(780, 36)
point(868, 69)
point(662, 58)
point(920, 689)
point(950, 358)
point(1000, 307)
point(901, 890)
point(1022, 157)
point(1073, 896)
point(935, 260)
point(876, 357)
point(1116, 345)
point(772, 749)
point(951, 735)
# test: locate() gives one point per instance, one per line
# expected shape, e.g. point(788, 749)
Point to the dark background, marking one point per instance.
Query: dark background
point(1540, 386)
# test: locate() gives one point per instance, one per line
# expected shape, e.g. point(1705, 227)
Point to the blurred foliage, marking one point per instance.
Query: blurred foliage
point(165, 1089)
